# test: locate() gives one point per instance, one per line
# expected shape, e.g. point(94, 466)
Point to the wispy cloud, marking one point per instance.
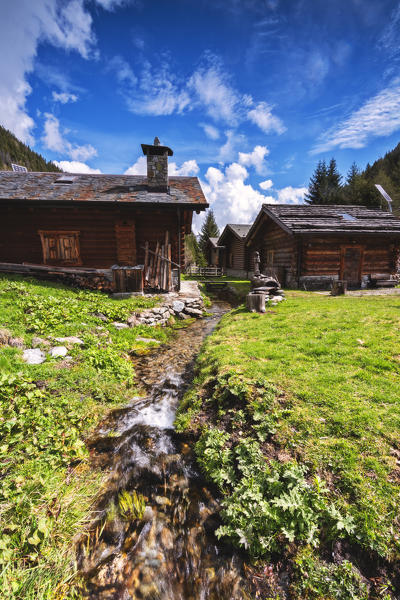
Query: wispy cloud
point(156, 90)
point(379, 116)
point(262, 116)
point(210, 131)
point(54, 139)
point(64, 97)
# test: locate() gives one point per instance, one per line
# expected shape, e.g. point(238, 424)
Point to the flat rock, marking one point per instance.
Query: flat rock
point(120, 325)
point(193, 311)
point(147, 340)
point(178, 306)
point(33, 356)
point(182, 316)
point(16, 342)
point(58, 351)
point(72, 339)
point(37, 341)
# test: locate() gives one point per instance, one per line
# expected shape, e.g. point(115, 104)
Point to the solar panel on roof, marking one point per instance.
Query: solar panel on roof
point(19, 168)
point(347, 217)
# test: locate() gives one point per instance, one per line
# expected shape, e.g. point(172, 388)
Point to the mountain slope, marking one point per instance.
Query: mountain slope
point(14, 151)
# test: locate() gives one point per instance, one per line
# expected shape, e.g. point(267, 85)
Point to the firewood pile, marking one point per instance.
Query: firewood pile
point(158, 266)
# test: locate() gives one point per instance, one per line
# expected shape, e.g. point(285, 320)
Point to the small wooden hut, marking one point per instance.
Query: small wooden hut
point(234, 256)
point(310, 246)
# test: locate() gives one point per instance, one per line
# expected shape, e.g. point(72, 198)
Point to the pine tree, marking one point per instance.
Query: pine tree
point(317, 185)
point(325, 184)
point(208, 229)
point(193, 254)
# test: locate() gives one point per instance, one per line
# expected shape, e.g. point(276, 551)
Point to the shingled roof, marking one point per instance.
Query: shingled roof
point(328, 219)
point(48, 187)
point(240, 231)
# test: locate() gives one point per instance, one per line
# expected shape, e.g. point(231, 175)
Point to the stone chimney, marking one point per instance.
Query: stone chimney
point(157, 165)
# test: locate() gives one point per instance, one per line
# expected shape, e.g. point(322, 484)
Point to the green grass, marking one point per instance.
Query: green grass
point(328, 372)
point(47, 410)
point(242, 286)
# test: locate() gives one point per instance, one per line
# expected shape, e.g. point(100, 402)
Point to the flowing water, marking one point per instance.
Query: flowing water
point(170, 553)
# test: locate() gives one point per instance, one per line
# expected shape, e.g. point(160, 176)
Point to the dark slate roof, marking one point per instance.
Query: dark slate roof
point(99, 188)
point(214, 241)
point(329, 219)
point(240, 231)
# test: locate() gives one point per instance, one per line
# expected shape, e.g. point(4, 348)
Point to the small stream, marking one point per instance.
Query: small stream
point(170, 553)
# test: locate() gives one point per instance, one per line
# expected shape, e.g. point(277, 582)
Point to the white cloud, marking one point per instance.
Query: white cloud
point(210, 131)
point(262, 116)
point(158, 93)
point(189, 167)
point(255, 159)
point(64, 97)
point(227, 151)
point(25, 24)
point(379, 116)
point(291, 195)
point(122, 70)
point(74, 166)
point(111, 4)
point(138, 168)
point(232, 200)
point(266, 185)
point(211, 88)
point(54, 140)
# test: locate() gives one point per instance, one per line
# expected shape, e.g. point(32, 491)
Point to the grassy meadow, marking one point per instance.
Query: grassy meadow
point(297, 415)
point(47, 410)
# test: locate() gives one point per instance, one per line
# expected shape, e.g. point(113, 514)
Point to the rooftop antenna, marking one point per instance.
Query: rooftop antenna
point(19, 168)
point(385, 195)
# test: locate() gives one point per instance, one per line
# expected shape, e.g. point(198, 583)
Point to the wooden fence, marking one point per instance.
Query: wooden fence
point(205, 271)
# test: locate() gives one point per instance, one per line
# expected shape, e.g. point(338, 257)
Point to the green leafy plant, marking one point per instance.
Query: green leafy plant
point(131, 505)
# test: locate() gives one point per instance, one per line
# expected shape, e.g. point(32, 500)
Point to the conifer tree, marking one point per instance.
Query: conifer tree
point(317, 185)
point(208, 229)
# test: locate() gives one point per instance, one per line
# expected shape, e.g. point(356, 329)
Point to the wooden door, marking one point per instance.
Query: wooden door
point(351, 265)
point(126, 243)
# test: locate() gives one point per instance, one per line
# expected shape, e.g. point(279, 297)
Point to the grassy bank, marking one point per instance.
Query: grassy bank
point(297, 414)
point(46, 411)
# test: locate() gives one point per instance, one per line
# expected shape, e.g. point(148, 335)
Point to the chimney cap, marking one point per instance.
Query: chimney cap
point(156, 149)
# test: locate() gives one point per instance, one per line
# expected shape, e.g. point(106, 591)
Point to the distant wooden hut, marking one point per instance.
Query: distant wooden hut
point(310, 246)
point(234, 259)
point(87, 221)
point(213, 252)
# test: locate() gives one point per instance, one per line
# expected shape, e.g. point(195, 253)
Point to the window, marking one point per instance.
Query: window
point(60, 247)
point(270, 258)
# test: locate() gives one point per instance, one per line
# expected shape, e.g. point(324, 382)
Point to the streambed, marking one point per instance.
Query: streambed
point(170, 553)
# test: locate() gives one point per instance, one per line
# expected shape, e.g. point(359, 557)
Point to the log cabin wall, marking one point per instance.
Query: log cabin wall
point(234, 256)
point(98, 227)
point(322, 259)
point(278, 252)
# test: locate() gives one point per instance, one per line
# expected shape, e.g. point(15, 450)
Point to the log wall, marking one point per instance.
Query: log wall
point(98, 230)
point(271, 237)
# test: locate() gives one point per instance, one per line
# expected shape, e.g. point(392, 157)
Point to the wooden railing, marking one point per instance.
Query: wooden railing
point(204, 271)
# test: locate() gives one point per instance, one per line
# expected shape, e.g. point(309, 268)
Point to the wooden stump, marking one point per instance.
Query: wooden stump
point(339, 288)
point(255, 303)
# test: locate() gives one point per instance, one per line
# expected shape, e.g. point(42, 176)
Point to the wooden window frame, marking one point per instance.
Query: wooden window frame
point(58, 234)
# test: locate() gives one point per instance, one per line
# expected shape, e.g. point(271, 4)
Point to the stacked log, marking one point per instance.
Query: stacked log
point(264, 290)
point(158, 266)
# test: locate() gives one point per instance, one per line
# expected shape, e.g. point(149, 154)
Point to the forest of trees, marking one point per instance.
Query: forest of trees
point(14, 151)
point(328, 187)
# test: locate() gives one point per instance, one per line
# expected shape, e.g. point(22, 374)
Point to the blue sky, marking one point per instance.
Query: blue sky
point(249, 94)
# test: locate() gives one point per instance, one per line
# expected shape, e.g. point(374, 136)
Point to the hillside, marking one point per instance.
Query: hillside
point(386, 172)
point(14, 151)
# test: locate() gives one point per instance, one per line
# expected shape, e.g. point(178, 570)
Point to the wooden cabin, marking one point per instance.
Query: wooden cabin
point(213, 250)
point(90, 221)
point(234, 260)
point(309, 246)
